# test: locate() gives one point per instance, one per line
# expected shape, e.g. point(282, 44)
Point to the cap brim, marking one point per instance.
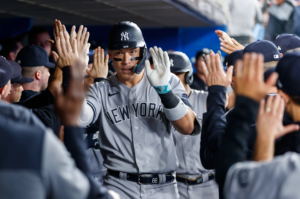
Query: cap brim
point(21, 80)
point(50, 65)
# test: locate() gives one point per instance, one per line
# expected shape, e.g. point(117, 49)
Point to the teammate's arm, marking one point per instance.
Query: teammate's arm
point(181, 116)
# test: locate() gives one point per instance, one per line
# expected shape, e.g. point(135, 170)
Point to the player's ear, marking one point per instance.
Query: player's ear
point(3, 89)
point(38, 75)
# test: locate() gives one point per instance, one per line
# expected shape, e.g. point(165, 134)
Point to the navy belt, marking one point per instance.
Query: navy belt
point(142, 179)
point(194, 181)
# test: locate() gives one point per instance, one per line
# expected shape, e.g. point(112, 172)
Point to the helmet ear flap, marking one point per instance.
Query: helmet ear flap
point(189, 78)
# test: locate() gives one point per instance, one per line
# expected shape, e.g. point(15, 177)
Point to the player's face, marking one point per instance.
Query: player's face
point(122, 62)
point(15, 92)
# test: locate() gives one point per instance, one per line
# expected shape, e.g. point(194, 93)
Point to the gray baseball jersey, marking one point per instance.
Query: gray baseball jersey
point(134, 134)
point(276, 179)
point(188, 147)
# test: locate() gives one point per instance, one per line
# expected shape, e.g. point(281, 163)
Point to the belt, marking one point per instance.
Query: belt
point(142, 179)
point(194, 181)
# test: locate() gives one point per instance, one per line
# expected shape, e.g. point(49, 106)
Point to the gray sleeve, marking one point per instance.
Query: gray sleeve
point(92, 106)
point(259, 179)
point(61, 177)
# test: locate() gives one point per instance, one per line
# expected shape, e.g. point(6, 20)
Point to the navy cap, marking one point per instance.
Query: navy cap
point(285, 42)
point(267, 48)
point(288, 69)
point(268, 73)
point(5, 71)
point(16, 76)
point(234, 56)
point(32, 56)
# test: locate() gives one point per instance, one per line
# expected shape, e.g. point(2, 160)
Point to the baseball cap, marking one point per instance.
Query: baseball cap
point(288, 69)
point(267, 48)
point(33, 56)
point(16, 76)
point(285, 42)
point(5, 71)
point(233, 57)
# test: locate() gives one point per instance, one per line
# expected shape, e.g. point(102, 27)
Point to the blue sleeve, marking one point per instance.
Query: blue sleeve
point(214, 124)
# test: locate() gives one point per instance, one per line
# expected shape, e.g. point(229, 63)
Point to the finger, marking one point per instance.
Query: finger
point(67, 40)
point(252, 69)
point(228, 46)
point(154, 56)
point(213, 62)
point(51, 41)
point(204, 69)
point(78, 36)
point(208, 63)
point(229, 73)
point(55, 56)
point(269, 104)
point(238, 69)
point(106, 60)
point(271, 81)
point(60, 28)
point(83, 35)
point(74, 46)
point(57, 28)
point(218, 63)
point(161, 56)
point(262, 108)
point(99, 56)
point(276, 105)
point(221, 40)
point(246, 64)
point(58, 46)
point(226, 50)
point(87, 36)
point(95, 56)
point(102, 56)
point(148, 68)
point(63, 43)
point(280, 111)
point(73, 33)
point(167, 60)
point(288, 129)
point(259, 68)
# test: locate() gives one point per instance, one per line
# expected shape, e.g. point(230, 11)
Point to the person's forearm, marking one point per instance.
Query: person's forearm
point(214, 124)
point(264, 148)
point(186, 124)
point(56, 80)
point(234, 145)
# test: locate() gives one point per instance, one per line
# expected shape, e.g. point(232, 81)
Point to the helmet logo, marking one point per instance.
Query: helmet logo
point(171, 62)
point(124, 36)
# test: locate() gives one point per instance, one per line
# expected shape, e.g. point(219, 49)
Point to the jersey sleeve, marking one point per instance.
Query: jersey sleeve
point(260, 179)
point(62, 179)
point(91, 106)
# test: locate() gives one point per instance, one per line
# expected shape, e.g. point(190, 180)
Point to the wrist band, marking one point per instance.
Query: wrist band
point(98, 79)
point(163, 89)
point(174, 108)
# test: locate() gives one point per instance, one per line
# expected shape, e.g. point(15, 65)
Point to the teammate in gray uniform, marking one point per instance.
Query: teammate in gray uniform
point(139, 111)
point(193, 180)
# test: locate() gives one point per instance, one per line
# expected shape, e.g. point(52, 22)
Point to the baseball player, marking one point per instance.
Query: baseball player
point(139, 111)
point(192, 179)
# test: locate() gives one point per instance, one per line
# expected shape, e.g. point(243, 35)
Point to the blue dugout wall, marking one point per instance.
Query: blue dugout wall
point(187, 40)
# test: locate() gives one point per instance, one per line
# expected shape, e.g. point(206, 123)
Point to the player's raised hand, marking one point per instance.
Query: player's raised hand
point(229, 47)
point(223, 36)
point(67, 51)
point(100, 65)
point(160, 75)
point(213, 71)
point(83, 46)
point(269, 119)
point(249, 79)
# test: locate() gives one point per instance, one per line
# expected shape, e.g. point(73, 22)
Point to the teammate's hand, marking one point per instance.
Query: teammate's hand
point(229, 47)
point(269, 119)
point(67, 52)
point(214, 73)
point(249, 79)
point(100, 65)
point(160, 75)
point(83, 46)
point(68, 106)
point(223, 36)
